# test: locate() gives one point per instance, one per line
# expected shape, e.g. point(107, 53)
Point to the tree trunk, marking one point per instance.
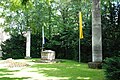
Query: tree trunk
point(96, 32)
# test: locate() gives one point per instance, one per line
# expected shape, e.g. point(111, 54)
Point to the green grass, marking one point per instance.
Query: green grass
point(8, 78)
point(63, 69)
point(5, 72)
point(71, 69)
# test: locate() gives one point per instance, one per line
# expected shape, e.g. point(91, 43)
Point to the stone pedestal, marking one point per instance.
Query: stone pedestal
point(48, 55)
point(95, 65)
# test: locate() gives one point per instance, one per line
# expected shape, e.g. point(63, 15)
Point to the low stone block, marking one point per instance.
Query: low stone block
point(48, 55)
point(95, 65)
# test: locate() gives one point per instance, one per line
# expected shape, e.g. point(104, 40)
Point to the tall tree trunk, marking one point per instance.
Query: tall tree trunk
point(96, 32)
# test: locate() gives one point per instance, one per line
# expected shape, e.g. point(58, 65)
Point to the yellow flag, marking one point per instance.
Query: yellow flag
point(80, 26)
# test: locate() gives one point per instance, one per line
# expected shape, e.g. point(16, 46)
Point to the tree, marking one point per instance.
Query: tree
point(110, 28)
point(59, 19)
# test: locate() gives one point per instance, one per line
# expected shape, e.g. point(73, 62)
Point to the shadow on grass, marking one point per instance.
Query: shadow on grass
point(39, 61)
point(8, 78)
point(4, 72)
point(69, 69)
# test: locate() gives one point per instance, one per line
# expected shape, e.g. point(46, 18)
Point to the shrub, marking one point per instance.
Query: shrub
point(112, 68)
point(14, 47)
point(36, 45)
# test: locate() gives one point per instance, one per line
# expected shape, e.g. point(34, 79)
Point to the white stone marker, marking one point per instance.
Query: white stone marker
point(28, 42)
point(1, 39)
point(48, 55)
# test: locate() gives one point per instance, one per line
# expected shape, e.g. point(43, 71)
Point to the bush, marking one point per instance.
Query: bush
point(36, 45)
point(112, 68)
point(14, 47)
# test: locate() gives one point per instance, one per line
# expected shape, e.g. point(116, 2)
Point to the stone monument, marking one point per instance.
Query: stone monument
point(1, 39)
point(48, 56)
point(28, 42)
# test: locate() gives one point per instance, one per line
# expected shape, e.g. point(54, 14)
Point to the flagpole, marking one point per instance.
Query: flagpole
point(80, 34)
point(79, 51)
point(43, 41)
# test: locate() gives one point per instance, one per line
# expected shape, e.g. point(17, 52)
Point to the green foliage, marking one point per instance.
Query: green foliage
point(110, 29)
point(65, 42)
point(14, 47)
point(112, 68)
point(24, 2)
point(35, 45)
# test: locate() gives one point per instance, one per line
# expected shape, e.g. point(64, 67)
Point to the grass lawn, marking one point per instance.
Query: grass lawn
point(70, 69)
point(5, 72)
point(66, 70)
